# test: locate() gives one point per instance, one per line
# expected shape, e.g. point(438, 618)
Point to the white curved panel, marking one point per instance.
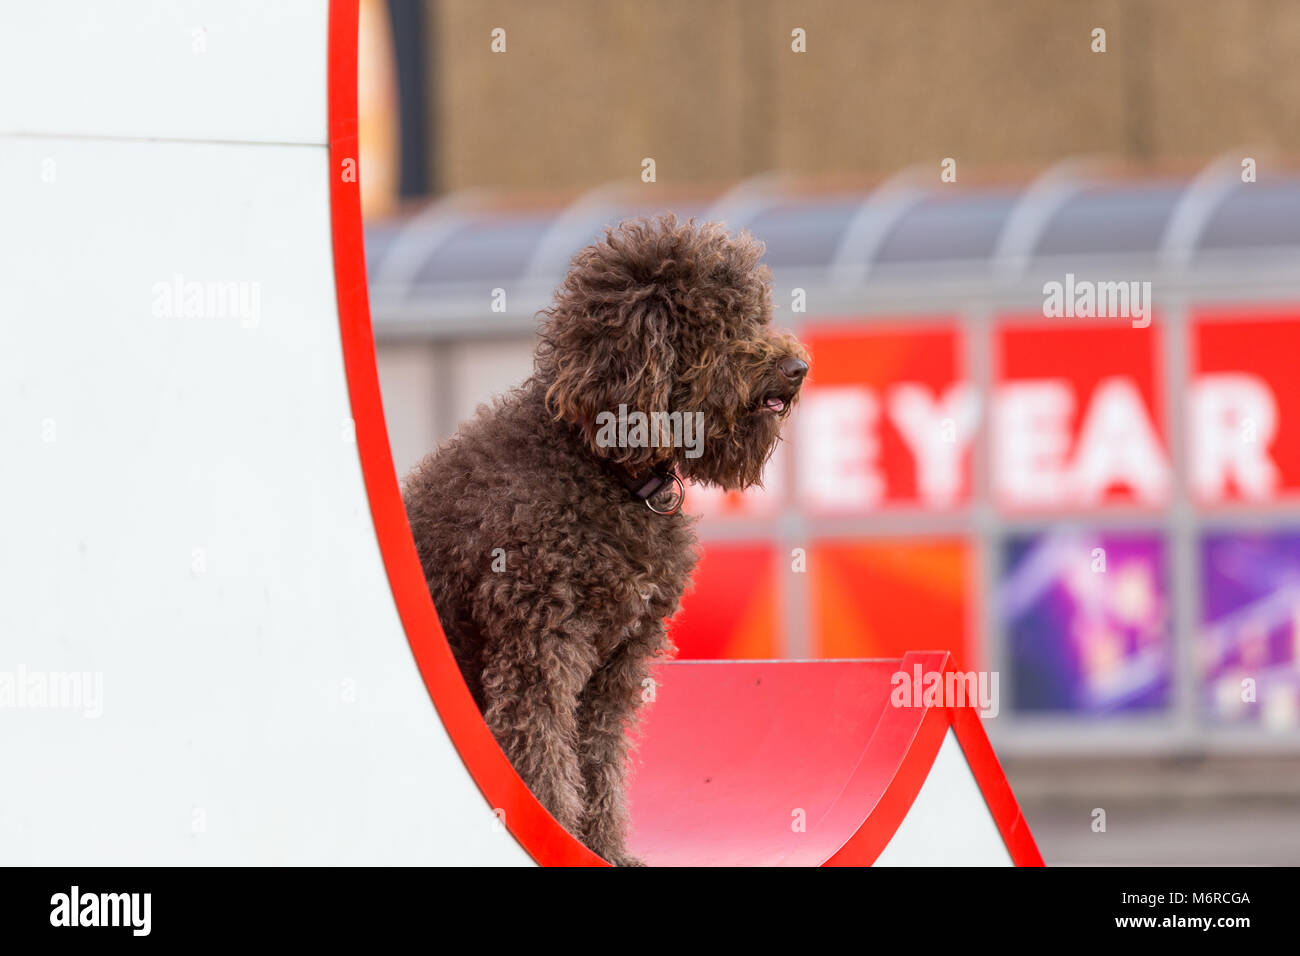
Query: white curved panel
point(184, 516)
point(949, 823)
point(237, 70)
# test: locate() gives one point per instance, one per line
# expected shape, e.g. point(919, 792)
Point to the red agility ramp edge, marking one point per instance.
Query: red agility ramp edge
point(807, 763)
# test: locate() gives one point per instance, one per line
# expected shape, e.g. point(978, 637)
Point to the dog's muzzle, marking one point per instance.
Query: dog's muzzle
point(792, 371)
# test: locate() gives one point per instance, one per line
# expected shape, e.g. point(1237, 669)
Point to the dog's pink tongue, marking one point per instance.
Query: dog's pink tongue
point(776, 404)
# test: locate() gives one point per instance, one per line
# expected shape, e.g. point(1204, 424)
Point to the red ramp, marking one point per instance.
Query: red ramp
point(807, 763)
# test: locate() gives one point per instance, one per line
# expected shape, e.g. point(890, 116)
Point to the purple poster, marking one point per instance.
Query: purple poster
point(1087, 620)
point(1250, 627)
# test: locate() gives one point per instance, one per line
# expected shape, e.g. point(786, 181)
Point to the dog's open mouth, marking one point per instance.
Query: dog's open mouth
point(774, 403)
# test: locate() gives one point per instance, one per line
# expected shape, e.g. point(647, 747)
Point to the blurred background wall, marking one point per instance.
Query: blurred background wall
point(1170, 447)
point(714, 93)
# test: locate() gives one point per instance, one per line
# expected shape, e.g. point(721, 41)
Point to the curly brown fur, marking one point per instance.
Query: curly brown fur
point(556, 641)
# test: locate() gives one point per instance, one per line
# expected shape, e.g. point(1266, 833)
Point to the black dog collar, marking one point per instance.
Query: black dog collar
point(646, 485)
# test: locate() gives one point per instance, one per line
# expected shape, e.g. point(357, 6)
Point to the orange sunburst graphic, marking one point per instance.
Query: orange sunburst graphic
point(731, 613)
point(884, 599)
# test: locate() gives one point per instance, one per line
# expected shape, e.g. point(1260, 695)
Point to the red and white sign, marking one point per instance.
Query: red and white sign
point(1245, 405)
point(887, 418)
point(1076, 417)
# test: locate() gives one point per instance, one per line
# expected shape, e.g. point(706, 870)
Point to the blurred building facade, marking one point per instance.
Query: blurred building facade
point(1052, 428)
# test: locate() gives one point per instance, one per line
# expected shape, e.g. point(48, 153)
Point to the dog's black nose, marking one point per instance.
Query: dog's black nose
point(792, 368)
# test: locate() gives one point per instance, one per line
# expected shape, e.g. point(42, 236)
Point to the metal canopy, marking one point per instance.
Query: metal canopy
point(440, 265)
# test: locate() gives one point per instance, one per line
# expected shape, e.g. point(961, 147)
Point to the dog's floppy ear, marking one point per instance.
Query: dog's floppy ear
point(595, 359)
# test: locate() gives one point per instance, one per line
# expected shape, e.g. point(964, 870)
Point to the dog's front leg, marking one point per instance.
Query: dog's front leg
point(609, 705)
point(531, 687)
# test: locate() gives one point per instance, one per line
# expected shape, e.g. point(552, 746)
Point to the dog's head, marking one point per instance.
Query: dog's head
point(671, 318)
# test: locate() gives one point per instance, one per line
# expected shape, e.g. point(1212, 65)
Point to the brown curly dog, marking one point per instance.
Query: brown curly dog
point(550, 538)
